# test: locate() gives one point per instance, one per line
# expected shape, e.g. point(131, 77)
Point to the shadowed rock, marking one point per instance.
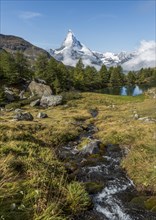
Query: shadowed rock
point(42, 115)
point(26, 116)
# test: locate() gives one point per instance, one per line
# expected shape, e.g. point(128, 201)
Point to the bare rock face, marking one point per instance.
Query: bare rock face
point(51, 100)
point(39, 89)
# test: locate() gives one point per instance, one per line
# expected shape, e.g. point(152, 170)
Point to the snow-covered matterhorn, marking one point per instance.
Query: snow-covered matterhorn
point(72, 50)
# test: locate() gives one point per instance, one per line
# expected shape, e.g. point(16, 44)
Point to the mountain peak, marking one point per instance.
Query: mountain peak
point(70, 31)
point(70, 40)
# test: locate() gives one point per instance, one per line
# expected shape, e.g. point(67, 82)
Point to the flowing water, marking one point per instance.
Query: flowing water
point(113, 201)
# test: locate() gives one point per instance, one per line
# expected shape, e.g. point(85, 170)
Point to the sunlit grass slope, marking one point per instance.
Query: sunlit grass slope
point(34, 183)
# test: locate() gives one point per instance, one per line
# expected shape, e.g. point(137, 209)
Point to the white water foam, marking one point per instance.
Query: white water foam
point(98, 168)
point(112, 208)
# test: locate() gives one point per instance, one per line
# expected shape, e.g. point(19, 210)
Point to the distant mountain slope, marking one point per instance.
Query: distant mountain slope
point(111, 59)
point(13, 44)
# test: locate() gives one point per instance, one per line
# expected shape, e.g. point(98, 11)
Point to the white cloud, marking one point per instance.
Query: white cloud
point(145, 57)
point(29, 14)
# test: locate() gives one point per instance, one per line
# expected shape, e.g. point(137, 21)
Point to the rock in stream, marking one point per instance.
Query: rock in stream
point(112, 201)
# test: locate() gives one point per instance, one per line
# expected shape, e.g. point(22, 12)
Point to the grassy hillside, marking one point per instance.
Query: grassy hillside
point(33, 181)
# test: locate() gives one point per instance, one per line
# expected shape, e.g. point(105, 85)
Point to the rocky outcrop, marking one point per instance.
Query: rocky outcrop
point(26, 116)
point(39, 89)
point(51, 100)
point(12, 44)
point(42, 115)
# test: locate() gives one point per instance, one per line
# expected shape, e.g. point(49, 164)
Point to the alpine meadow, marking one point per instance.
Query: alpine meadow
point(78, 118)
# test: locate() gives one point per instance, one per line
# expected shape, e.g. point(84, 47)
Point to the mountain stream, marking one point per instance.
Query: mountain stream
point(112, 202)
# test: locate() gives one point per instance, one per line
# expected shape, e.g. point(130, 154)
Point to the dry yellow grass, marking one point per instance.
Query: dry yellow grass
point(33, 144)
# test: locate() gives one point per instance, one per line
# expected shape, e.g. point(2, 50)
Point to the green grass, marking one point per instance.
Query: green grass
point(34, 183)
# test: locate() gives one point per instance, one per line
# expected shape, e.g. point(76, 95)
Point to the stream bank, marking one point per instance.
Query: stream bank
point(110, 189)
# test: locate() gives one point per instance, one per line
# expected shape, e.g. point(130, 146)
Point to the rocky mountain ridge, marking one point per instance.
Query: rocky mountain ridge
point(13, 44)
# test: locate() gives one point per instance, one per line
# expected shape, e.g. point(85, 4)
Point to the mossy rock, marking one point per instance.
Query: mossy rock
point(90, 162)
point(83, 143)
point(150, 203)
point(94, 187)
point(95, 158)
point(138, 202)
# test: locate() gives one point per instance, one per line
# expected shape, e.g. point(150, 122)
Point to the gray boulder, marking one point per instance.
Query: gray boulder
point(39, 89)
point(9, 95)
point(21, 95)
point(147, 119)
point(42, 115)
point(91, 148)
point(136, 116)
point(26, 116)
point(51, 100)
point(17, 110)
point(35, 103)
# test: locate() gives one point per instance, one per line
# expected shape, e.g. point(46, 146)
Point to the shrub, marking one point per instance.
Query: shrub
point(52, 212)
point(13, 105)
point(67, 96)
point(94, 187)
point(21, 103)
point(28, 101)
point(77, 198)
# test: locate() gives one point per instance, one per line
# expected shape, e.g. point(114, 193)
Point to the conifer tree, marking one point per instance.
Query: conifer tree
point(41, 65)
point(104, 75)
point(79, 75)
point(117, 77)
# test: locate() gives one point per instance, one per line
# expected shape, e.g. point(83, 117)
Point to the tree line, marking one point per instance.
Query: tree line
point(14, 68)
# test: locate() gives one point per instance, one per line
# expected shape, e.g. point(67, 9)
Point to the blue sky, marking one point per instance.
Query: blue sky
point(100, 25)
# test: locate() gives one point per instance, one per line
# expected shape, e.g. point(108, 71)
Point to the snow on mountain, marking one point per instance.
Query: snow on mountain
point(145, 57)
point(111, 59)
point(72, 50)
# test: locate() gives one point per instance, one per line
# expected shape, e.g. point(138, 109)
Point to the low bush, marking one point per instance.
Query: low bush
point(13, 105)
point(67, 96)
point(77, 198)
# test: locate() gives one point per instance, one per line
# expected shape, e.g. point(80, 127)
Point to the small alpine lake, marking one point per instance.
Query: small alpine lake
point(127, 90)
